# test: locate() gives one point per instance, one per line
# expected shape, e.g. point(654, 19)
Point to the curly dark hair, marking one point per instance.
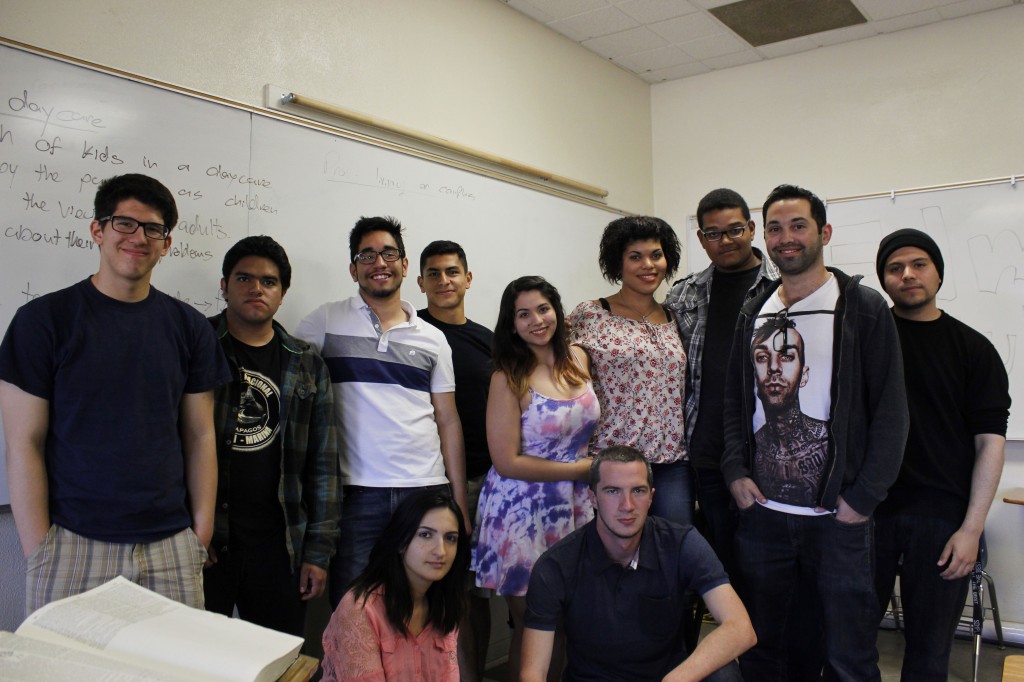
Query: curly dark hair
point(622, 232)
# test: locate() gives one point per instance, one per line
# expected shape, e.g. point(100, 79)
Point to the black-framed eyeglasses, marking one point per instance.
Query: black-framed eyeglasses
point(126, 225)
point(733, 232)
point(369, 256)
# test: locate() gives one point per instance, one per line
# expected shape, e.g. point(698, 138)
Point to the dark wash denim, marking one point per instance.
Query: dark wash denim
point(673, 496)
point(931, 606)
point(719, 512)
point(784, 557)
point(364, 514)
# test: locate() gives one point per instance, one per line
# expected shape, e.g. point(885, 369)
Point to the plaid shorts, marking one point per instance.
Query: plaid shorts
point(65, 564)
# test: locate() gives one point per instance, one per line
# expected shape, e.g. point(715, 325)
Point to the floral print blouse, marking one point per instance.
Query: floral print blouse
point(639, 375)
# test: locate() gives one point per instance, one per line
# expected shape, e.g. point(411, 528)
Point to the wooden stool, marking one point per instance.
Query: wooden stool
point(1013, 669)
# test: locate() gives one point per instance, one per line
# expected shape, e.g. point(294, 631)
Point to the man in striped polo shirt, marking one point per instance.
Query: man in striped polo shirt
point(394, 394)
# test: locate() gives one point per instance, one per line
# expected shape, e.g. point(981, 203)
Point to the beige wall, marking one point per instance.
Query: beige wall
point(936, 104)
point(473, 71)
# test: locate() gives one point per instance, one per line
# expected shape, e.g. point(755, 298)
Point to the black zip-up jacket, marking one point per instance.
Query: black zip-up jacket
point(868, 422)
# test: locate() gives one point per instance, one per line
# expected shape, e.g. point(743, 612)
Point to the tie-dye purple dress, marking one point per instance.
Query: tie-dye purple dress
point(518, 520)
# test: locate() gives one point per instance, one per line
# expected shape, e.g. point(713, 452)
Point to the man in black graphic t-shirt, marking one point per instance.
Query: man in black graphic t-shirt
point(277, 496)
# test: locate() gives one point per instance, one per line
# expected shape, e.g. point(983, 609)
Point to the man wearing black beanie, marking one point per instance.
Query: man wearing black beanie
point(959, 401)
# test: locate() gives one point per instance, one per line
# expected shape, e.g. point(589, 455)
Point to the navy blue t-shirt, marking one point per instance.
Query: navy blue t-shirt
point(114, 374)
point(622, 624)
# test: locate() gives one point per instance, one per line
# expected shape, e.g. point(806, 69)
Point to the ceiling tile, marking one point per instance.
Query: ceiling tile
point(650, 11)
point(762, 22)
point(687, 27)
point(961, 9)
point(714, 46)
point(560, 9)
point(674, 72)
point(784, 47)
point(843, 35)
point(735, 59)
point(653, 60)
point(876, 10)
point(908, 21)
point(593, 24)
point(626, 42)
point(662, 40)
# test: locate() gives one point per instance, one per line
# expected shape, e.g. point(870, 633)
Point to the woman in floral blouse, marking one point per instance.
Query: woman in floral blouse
point(637, 360)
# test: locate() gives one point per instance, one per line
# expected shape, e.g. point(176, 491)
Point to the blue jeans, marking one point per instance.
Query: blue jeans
point(364, 514)
point(673, 496)
point(719, 511)
point(784, 557)
point(931, 606)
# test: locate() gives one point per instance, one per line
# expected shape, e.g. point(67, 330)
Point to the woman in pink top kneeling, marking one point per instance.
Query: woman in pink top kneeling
point(398, 620)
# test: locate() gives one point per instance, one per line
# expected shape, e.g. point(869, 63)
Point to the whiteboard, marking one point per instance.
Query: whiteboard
point(237, 171)
point(979, 228)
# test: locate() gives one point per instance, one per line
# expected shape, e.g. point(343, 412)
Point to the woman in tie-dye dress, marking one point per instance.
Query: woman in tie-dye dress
point(541, 412)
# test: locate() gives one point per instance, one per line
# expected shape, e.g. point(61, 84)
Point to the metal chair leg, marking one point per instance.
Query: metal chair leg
point(995, 608)
point(979, 595)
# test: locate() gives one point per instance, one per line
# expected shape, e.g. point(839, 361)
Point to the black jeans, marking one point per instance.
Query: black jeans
point(931, 606)
point(259, 581)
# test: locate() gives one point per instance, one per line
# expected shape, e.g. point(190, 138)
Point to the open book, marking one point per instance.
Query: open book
point(121, 631)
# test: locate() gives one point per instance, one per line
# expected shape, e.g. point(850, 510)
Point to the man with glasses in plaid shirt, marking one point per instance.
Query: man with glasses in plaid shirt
point(106, 389)
point(706, 305)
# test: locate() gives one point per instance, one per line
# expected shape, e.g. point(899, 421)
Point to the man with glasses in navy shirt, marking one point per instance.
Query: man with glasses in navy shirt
point(106, 389)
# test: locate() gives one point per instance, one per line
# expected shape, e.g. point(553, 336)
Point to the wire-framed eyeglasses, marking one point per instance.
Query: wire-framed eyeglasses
point(369, 256)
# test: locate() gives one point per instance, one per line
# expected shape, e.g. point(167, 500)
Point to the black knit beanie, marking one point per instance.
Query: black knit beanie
point(907, 237)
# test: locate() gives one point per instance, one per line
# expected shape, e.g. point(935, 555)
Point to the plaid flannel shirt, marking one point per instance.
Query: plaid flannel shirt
point(689, 298)
point(309, 491)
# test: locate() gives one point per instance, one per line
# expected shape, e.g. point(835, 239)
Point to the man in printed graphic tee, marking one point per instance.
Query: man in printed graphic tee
point(277, 495)
point(106, 389)
point(445, 278)
point(805, 505)
point(394, 396)
point(930, 527)
point(791, 446)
